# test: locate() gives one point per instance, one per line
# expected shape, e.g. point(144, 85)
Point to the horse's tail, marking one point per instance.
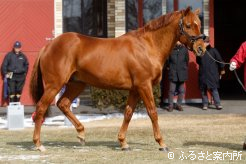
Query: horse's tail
point(36, 82)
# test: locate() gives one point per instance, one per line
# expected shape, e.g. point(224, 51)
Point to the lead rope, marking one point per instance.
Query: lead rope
point(235, 72)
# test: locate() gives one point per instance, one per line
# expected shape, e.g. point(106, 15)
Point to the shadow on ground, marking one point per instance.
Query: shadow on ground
point(56, 144)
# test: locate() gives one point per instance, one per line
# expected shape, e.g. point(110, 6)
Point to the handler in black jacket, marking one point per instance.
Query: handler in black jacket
point(177, 65)
point(15, 67)
point(209, 75)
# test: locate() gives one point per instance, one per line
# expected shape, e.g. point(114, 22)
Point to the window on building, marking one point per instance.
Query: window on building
point(87, 17)
point(151, 10)
point(173, 5)
point(131, 15)
point(148, 9)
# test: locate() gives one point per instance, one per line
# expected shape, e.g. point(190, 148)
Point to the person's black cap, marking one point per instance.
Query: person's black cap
point(207, 39)
point(17, 44)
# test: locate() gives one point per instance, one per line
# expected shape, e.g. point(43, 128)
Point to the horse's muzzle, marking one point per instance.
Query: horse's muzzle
point(200, 51)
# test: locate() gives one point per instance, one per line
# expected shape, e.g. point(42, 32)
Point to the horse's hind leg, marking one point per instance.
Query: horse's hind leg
point(41, 109)
point(130, 107)
point(73, 89)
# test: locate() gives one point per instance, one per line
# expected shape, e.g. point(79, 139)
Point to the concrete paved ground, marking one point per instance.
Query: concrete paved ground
point(229, 107)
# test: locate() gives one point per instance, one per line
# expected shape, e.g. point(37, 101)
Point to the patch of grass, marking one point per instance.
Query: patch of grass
point(186, 135)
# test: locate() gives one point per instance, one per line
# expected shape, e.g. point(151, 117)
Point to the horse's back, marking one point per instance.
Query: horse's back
point(66, 46)
point(102, 62)
point(90, 59)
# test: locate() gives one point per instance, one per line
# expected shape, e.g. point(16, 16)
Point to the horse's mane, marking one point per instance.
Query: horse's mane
point(157, 23)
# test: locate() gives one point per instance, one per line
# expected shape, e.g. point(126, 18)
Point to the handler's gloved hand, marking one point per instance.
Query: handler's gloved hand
point(233, 66)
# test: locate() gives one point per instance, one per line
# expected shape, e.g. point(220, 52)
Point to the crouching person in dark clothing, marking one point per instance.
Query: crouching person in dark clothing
point(14, 68)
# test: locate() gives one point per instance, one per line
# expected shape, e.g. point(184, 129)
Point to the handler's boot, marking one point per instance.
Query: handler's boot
point(204, 108)
point(12, 98)
point(219, 107)
point(17, 99)
point(170, 108)
point(179, 107)
point(244, 146)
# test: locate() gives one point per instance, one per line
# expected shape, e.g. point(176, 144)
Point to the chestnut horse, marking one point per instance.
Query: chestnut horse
point(131, 62)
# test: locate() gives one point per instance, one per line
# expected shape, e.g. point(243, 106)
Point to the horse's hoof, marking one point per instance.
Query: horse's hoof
point(41, 148)
point(164, 149)
point(126, 149)
point(81, 140)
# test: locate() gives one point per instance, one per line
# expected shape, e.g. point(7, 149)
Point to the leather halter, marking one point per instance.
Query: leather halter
point(190, 37)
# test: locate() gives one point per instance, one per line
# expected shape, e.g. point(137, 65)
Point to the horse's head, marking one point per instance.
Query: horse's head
point(190, 34)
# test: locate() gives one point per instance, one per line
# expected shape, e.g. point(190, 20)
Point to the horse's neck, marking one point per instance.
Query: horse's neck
point(165, 39)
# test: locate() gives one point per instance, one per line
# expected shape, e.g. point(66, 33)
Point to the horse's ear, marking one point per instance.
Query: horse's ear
point(187, 10)
point(197, 11)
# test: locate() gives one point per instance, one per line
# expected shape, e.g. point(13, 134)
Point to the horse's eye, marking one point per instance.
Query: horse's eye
point(188, 25)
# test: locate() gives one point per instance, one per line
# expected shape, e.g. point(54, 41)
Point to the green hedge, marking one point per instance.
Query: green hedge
point(103, 98)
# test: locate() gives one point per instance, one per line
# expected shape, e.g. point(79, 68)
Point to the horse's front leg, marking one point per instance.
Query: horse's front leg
point(130, 107)
point(145, 92)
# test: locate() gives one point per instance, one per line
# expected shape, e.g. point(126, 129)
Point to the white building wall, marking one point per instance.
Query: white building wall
point(58, 18)
point(206, 17)
point(120, 18)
